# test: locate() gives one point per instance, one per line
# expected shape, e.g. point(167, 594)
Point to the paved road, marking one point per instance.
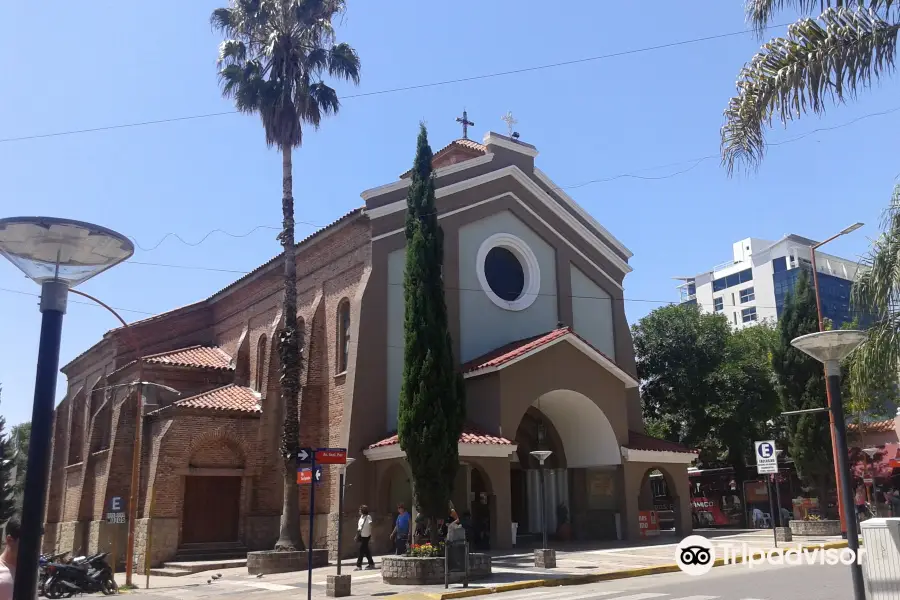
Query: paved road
point(819, 582)
point(723, 583)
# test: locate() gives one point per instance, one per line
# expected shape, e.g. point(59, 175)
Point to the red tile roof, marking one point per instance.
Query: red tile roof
point(462, 146)
point(640, 441)
point(470, 435)
point(227, 398)
point(200, 357)
point(506, 353)
point(873, 427)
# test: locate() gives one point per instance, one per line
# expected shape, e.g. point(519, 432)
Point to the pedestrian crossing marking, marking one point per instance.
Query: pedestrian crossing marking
point(644, 596)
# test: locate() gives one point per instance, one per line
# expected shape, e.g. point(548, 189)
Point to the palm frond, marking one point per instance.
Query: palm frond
point(761, 13)
point(832, 58)
point(343, 63)
point(222, 19)
point(232, 52)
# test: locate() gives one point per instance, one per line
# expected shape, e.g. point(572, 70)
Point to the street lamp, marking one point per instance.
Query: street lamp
point(541, 456)
point(841, 508)
point(57, 254)
point(340, 536)
point(830, 348)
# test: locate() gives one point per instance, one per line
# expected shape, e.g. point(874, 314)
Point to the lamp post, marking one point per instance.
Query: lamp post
point(842, 512)
point(57, 254)
point(830, 348)
point(541, 456)
point(340, 535)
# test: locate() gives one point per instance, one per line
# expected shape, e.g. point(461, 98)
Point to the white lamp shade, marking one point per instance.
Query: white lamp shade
point(47, 249)
point(826, 346)
point(541, 455)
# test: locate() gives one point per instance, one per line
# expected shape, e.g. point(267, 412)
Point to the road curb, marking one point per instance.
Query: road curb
point(599, 577)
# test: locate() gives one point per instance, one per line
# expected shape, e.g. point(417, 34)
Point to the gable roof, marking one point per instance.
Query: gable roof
point(198, 357)
point(516, 351)
point(640, 441)
point(470, 435)
point(228, 398)
point(874, 426)
point(465, 148)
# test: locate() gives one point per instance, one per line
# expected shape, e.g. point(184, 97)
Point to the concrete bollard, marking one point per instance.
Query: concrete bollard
point(783, 534)
point(545, 558)
point(337, 586)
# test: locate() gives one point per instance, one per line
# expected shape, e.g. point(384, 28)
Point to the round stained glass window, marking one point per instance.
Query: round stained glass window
point(504, 273)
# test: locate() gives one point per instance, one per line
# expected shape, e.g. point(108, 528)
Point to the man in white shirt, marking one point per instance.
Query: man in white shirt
point(8, 559)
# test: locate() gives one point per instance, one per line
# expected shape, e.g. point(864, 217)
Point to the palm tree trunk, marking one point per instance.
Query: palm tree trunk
point(289, 350)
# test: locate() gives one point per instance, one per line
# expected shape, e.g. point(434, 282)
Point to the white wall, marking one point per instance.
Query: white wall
point(592, 313)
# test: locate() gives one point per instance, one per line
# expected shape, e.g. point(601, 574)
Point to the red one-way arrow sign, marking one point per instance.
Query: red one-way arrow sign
point(331, 456)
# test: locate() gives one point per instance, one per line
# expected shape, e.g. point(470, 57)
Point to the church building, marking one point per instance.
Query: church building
point(534, 291)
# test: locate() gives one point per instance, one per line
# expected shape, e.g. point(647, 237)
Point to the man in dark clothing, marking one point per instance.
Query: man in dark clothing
point(894, 500)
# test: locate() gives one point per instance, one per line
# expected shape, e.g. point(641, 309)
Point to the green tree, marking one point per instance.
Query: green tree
point(7, 497)
point(848, 47)
point(432, 397)
point(876, 293)
point(704, 385)
point(801, 385)
point(20, 438)
point(272, 65)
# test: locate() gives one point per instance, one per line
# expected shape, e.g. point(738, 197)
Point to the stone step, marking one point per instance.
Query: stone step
point(169, 572)
point(195, 566)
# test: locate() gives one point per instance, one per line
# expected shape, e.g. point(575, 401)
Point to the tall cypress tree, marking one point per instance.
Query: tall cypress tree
point(7, 498)
point(432, 397)
point(800, 381)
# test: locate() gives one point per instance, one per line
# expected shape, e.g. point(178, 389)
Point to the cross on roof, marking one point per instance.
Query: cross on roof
point(510, 121)
point(464, 119)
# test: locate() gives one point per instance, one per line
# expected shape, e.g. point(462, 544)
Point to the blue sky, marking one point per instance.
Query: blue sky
point(86, 65)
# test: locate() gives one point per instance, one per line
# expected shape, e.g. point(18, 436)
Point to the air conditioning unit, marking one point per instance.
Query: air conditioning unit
point(881, 558)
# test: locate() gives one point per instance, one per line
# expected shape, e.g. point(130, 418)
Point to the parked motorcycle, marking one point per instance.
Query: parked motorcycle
point(45, 560)
point(84, 575)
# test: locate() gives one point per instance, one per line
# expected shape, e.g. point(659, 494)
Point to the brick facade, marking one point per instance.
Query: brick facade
point(95, 425)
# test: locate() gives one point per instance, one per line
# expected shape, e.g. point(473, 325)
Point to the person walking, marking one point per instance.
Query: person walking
point(8, 559)
point(400, 534)
point(363, 535)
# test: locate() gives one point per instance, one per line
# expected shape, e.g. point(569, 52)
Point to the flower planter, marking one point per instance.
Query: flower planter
point(824, 527)
point(413, 570)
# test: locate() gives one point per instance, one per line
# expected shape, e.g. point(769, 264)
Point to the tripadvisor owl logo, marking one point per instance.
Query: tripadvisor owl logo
point(695, 555)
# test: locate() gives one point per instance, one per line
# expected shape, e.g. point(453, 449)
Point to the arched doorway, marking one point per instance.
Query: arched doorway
point(212, 501)
point(581, 476)
point(480, 508)
point(659, 495)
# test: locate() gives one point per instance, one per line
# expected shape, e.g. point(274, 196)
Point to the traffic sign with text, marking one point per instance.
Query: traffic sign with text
point(307, 476)
point(766, 457)
point(116, 510)
point(331, 456)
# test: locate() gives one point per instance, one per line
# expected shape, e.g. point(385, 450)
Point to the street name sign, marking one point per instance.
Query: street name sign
point(331, 456)
point(307, 476)
point(766, 457)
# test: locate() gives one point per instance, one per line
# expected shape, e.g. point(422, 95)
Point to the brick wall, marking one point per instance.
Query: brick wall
point(329, 270)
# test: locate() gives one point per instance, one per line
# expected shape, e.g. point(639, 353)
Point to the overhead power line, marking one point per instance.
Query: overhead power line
point(407, 88)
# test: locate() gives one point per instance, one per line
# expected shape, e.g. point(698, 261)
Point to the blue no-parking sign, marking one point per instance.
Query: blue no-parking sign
point(766, 457)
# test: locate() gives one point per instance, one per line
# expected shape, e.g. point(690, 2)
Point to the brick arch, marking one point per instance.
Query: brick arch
point(213, 440)
point(242, 359)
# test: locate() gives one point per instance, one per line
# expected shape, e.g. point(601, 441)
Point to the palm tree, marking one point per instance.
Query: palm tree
point(848, 46)
point(876, 294)
point(272, 64)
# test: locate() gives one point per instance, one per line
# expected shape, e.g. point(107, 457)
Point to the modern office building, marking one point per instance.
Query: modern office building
point(753, 285)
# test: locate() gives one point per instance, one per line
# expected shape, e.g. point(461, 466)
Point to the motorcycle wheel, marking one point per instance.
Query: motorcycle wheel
point(55, 590)
point(109, 587)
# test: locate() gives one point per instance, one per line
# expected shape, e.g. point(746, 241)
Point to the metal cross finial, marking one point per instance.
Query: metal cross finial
point(464, 119)
point(510, 121)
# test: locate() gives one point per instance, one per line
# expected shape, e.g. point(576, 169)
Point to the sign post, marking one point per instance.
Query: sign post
point(767, 464)
point(115, 514)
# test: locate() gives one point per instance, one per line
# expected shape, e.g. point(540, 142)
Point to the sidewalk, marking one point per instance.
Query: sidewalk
point(576, 563)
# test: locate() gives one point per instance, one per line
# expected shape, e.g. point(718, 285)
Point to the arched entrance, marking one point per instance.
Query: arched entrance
point(581, 478)
point(659, 495)
point(481, 503)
